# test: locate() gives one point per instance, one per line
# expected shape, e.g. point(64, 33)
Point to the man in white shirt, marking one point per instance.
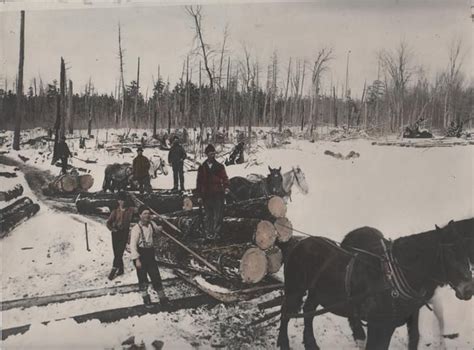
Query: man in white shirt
point(143, 255)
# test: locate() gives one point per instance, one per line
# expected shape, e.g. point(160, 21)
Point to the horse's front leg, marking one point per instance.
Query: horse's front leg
point(308, 334)
point(379, 336)
point(291, 304)
point(413, 331)
point(358, 332)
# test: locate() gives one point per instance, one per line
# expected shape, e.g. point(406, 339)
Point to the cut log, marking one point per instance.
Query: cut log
point(257, 208)
point(64, 184)
point(16, 213)
point(277, 207)
point(7, 174)
point(10, 194)
point(236, 230)
point(85, 182)
point(284, 229)
point(253, 265)
point(187, 204)
point(275, 259)
point(265, 235)
point(164, 202)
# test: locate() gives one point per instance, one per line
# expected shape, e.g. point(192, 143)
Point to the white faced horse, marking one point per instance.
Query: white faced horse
point(157, 167)
point(293, 177)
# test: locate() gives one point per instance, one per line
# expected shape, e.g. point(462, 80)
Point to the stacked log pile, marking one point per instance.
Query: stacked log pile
point(69, 183)
point(247, 247)
point(16, 213)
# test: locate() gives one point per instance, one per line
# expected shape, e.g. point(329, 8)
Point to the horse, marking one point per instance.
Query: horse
point(242, 189)
point(117, 176)
point(290, 178)
point(157, 167)
point(386, 291)
point(294, 176)
point(368, 240)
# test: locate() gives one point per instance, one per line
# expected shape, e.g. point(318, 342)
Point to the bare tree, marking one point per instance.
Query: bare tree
point(399, 69)
point(453, 81)
point(195, 13)
point(320, 65)
point(19, 86)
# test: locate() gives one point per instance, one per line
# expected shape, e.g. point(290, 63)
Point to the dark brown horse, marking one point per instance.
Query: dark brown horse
point(384, 292)
point(242, 189)
point(367, 240)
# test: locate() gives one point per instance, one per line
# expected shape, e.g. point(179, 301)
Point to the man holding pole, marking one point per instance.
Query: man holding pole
point(211, 187)
point(143, 255)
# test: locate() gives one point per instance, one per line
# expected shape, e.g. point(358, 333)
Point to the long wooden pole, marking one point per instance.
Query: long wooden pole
point(196, 255)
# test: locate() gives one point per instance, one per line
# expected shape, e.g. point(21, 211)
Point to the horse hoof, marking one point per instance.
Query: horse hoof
point(311, 345)
point(283, 344)
point(360, 344)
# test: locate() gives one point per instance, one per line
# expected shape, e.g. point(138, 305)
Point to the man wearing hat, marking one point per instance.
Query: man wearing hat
point(211, 187)
point(176, 157)
point(119, 224)
point(141, 168)
point(142, 252)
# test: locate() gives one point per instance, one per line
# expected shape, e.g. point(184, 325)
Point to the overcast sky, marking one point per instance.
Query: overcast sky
point(163, 35)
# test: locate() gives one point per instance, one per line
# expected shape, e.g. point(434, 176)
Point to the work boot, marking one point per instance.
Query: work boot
point(163, 298)
point(147, 301)
point(120, 271)
point(113, 273)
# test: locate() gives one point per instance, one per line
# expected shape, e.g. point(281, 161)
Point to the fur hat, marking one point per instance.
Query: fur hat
point(122, 196)
point(142, 208)
point(209, 148)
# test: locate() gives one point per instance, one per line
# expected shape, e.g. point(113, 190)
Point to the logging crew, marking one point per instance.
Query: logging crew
point(141, 168)
point(143, 255)
point(63, 153)
point(176, 157)
point(119, 224)
point(211, 187)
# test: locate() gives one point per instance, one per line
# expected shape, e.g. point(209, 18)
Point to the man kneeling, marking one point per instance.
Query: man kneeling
point(143, 256)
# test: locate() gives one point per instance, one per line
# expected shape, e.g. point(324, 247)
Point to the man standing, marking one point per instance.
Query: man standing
point(119, 224)
point(63, 153)
point(176, 157)
point(141, 168)
point(212, 185)
point(143, 256)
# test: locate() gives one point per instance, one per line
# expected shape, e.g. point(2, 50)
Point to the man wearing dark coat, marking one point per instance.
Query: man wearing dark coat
point(211, 187)
point(63, 153)
point(141, 169)
point(176, 157)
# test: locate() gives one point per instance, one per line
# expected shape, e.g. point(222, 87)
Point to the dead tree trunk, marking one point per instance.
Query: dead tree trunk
point(69, 109)
point(136, 93)
point(19, 86)
point(62, 105)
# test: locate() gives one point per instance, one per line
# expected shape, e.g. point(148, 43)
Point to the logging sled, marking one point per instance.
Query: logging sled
point(238, 265)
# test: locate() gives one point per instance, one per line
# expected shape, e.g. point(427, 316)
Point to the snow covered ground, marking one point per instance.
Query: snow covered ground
point(398, 190)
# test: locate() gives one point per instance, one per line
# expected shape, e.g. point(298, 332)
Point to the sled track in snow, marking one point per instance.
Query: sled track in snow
point(113, 315)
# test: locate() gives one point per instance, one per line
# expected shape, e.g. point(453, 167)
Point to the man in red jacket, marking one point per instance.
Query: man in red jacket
point(211, 187)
